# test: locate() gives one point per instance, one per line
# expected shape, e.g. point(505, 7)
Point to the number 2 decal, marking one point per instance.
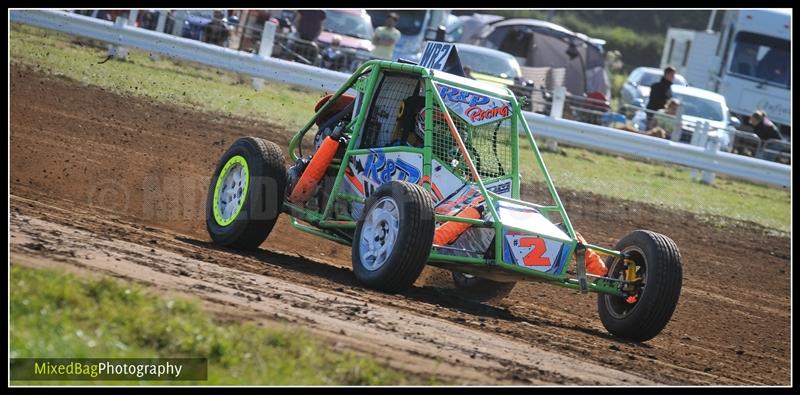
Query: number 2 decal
point(534, 257)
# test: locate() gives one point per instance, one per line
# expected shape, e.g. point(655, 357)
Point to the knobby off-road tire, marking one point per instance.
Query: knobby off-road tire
point(481, 289)
point(659, 263)
point(246, 194)
point(393, 238)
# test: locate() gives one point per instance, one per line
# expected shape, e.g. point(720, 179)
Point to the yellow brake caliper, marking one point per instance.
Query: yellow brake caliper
point(630, 277)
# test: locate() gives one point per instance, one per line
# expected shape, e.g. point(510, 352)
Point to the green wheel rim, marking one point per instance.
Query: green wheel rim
point(230, 191)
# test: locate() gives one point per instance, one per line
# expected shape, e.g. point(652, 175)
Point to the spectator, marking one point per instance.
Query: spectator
point(660, 92)
point(112, 15)
point(332, 56)
point(386, 37)
point(662, 122)
point(309, 24)
point(595, 105)
point(763, 127)
point(216, 32)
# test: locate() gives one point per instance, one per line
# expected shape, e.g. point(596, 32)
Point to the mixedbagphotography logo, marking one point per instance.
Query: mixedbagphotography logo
point(166, 369)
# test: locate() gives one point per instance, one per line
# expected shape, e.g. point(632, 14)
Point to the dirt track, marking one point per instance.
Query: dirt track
point(116, 185)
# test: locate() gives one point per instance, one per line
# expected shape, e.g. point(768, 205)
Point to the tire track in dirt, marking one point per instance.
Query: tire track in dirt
point(716, 335)
point(440, 347)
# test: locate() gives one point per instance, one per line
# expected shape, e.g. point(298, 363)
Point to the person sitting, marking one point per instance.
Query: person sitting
point(763, 127)
point(660, 123)
point(595, 105)
point(332, 56)
point(408, 130)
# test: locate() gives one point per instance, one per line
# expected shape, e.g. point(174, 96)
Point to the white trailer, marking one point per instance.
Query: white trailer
point(748, 62)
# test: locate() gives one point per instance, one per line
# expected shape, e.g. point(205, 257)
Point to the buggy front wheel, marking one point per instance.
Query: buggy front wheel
point(394, 236)
point(643, 313)
point(246, 194)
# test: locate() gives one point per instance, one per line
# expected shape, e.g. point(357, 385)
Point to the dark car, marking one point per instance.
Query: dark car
point(196, 24)
point(495, 67)
point(541, 44)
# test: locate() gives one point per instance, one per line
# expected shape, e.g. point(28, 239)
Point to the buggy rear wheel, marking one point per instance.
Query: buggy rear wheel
point(246, 193)
point(642, 315)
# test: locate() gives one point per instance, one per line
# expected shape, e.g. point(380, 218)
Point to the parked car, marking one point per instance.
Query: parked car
point(466, 27)
point(196, 21)
point(353, 31)
point(636, 89)
point(146, 19)
point(495, 67)
point(344, 43)
point(700, 105)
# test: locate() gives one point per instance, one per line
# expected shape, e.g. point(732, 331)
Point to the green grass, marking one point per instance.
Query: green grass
point(163, 80)
point(664, 185)
point(210, 90)
point(57, 315)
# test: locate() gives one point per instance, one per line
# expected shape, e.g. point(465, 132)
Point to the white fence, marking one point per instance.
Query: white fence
point(707, 158)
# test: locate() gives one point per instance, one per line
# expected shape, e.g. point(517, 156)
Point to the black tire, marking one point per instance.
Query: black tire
point(659, 263)
point(481, 289)
point(413, 237)
point(264, 198)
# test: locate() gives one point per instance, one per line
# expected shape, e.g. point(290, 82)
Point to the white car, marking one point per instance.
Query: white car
point(700, 105)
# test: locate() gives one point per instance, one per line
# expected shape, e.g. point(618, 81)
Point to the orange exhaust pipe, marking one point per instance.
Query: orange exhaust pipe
point(314, 171)
point(449, 231)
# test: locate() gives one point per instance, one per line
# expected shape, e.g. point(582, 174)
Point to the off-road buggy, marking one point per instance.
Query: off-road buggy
point(412, 165)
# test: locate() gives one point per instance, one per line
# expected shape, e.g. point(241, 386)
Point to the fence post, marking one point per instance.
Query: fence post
point(731, 133)
point(177, 26)
point(265, 49)
point(700, 133)
point(699, 130)
point(556, 111)
point(134, 14)
point(160, 26)
point(559, 96)
point(712, 146)
point(162, 21)
point(677, 126)
point(115, 51)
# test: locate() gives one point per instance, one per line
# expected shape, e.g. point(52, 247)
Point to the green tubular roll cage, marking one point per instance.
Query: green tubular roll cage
point(364, 80)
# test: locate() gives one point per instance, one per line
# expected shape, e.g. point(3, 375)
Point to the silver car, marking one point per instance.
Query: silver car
point(636, 89)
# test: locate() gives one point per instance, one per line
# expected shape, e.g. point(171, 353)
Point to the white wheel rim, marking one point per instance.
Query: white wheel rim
point(379, 233)
point(231, 194)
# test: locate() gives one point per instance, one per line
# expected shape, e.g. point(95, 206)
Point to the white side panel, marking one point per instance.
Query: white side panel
point(529, 220)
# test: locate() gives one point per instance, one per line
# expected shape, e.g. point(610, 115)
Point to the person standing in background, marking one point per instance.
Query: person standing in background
point(386, 37)
point(216, 32)
point(660, 92)
point(309, 24)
